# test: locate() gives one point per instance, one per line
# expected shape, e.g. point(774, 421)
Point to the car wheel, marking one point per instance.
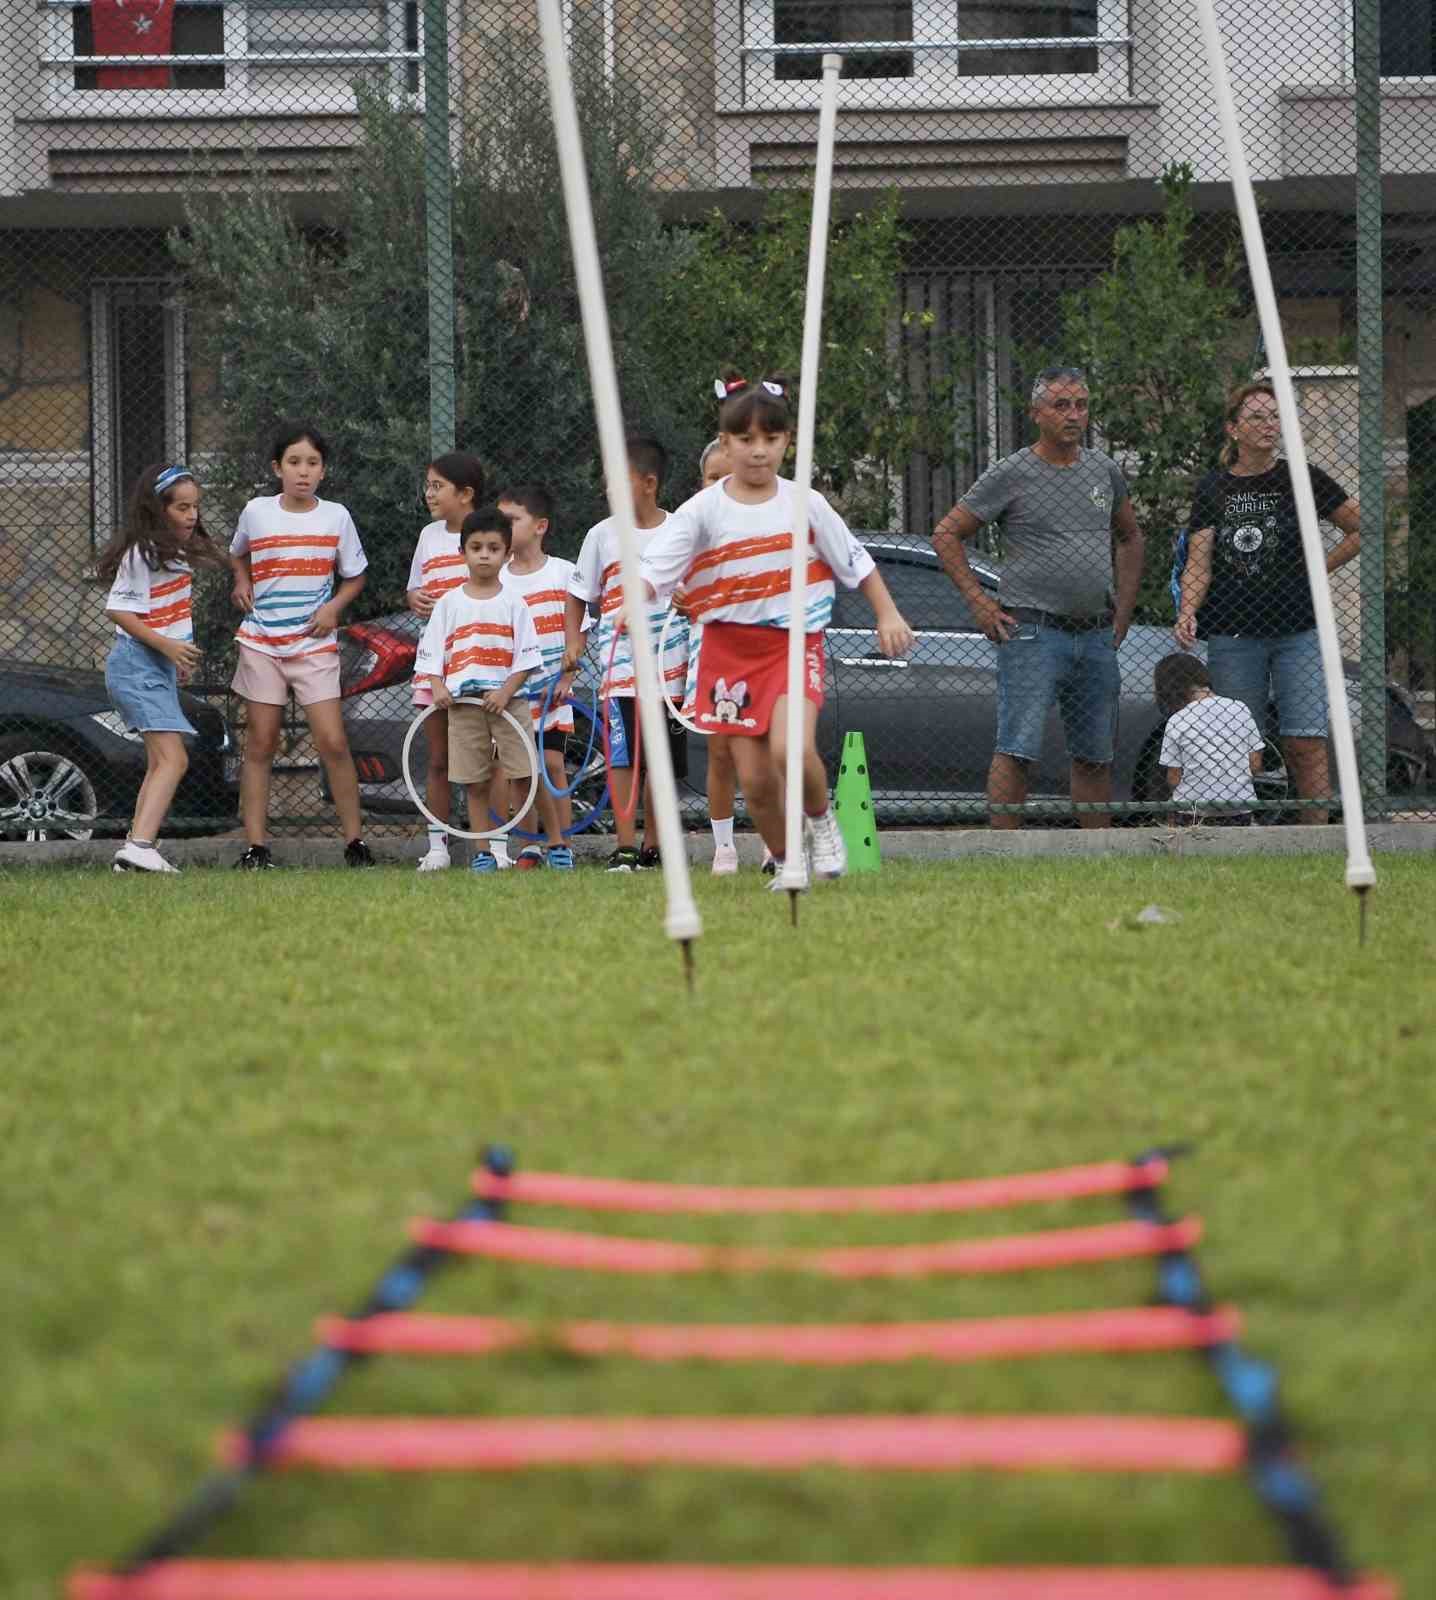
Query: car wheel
point(1405, 772)
point(45, 793)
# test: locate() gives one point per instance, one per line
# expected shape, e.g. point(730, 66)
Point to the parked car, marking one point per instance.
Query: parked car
point(928, 721)
point(69, 768)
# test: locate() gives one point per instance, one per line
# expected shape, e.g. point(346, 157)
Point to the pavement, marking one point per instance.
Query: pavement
point(898, 844)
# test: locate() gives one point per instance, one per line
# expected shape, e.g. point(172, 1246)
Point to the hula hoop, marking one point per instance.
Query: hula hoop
point(630, 811)
point(673, 710)
point(584, 823)
point(557, 793)
point(438, 822)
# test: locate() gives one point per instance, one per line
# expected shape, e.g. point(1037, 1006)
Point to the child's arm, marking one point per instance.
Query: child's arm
point(442, 697)
point(669, 553)
point(326, 619)
point(242, 592)
point(498, 699)
point(574, 642)
point(1174, 777)
point(1255, 761)
point(895, 638)
point(1196, 580)
point(184, 654)
point(421, 602)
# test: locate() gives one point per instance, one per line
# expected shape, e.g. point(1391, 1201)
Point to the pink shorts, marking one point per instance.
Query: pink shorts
point(270, 680)
point(423, 694)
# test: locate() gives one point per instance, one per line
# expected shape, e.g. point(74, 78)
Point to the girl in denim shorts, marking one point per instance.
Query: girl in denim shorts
point(148, 565)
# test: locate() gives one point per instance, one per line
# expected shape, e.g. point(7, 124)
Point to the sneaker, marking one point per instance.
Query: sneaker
point(624, 859)
point(358, 854)
point(256, 859)
point(770, 866)
point(648, 857)
point(830, 855)
point(132, 857)
point(484, 861)
point(530, 858)
point(778, 886)
point(434, 861)
point(560, 858)
point(725, 860)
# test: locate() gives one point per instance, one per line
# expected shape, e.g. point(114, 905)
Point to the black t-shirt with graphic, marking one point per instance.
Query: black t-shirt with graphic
point(1259, 584)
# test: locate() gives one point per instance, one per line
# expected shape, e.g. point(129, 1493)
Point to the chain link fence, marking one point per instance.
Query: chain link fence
point(216, 213)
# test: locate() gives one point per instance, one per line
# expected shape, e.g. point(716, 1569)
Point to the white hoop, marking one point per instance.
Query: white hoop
point(438, 822)
point(673, 710)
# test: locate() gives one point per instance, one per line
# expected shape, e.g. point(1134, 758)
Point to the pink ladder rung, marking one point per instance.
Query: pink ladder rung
point(591, 1252)
point(765, 1444)
point(301, 1580)
point(991, 1339)
point(970, 1194)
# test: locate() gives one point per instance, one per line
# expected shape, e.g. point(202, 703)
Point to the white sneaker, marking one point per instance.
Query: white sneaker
point(725, 860)
point(503, 861)
point(830, 855)
point(434, 861)
point(132, 857)
point(777, 886)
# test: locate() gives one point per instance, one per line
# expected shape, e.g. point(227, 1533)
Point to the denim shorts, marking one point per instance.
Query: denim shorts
point(144, 688)
point(1040, 664)
point(1285, 665)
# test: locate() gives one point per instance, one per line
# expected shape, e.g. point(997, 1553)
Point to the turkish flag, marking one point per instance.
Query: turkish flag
point(132, 28)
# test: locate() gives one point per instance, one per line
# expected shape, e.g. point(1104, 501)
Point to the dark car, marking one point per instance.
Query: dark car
point(928, 721)
point(69, 769)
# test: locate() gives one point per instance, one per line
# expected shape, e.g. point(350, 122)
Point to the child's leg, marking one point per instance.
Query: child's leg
point(722, 783)
point(480, 798)
point(497, 805)
point(326, 728)
point(436, 783)
point(166, 761)
point(262, 725)
point(562, 809)
point(753, 761)
point(815, 774)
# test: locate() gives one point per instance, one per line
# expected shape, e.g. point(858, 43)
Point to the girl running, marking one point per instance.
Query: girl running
point(453, 486)
point(731, 546)
point(148, 565)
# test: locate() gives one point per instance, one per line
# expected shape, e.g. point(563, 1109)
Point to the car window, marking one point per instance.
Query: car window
point(922, 592)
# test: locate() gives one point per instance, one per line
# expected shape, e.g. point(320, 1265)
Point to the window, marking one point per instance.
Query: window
point(1408, 39)
point(286, 56)
point(921, 590)
point(959, 52)
point(139, 410)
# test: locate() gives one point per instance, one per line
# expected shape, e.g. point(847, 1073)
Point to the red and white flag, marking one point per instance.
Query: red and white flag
point(132, 28)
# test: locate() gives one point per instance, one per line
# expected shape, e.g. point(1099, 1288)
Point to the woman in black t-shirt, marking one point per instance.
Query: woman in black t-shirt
point(1245, 589)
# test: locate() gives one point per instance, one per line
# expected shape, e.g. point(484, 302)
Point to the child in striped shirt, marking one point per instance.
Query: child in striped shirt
point(730, 544)
point(480, 643)
point(453, 486)
point(148, 565)
point(598, 579)
point(286, 552)
point(542, 581)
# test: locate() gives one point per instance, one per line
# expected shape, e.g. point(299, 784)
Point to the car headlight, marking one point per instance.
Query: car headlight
point(113, 722)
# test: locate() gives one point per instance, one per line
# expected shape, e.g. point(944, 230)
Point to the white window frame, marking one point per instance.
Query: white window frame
point(106, 450)
point(238, 96)
point(747, 81)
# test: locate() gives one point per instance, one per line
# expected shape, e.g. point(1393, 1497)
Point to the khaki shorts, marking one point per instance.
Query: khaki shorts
point(473, 733)
point(269, 680)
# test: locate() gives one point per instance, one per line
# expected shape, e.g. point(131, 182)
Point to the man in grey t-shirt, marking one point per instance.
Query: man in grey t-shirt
point(1055, 621)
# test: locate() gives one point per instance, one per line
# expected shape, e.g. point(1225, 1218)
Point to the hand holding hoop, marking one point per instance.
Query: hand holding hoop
point(438, 822)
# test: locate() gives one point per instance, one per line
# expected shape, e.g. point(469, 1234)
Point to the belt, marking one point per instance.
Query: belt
point(1054, 619)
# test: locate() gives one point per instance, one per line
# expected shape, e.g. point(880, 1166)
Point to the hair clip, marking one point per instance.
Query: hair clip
point(775, 389)
point(723, 387)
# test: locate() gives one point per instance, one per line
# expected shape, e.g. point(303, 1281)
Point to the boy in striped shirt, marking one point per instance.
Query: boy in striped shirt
point(542, 581)
point(480, 642)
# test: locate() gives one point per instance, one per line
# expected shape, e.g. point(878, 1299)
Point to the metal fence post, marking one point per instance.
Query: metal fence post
point(1370, 360)
point(439, 221)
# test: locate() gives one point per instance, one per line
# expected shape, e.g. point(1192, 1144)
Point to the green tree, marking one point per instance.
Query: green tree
point(1162, 339)
point(739, 301)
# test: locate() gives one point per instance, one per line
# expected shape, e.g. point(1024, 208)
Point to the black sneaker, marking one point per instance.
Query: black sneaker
point(624, 859)
point(256, 859)
point(358, 854)
point(649, 856)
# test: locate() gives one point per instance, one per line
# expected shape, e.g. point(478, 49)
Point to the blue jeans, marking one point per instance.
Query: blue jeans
point(1286, 665)
point(1079, 670)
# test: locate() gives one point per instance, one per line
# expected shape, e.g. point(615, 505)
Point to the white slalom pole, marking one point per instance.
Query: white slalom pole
point(1360, 874)
point(795, 876)
point(682, 922)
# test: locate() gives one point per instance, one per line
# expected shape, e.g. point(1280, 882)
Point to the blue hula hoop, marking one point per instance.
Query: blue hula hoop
point(563, 794)
point(593, 730)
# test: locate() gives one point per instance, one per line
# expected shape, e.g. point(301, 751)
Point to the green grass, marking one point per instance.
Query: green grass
point(221, 1099)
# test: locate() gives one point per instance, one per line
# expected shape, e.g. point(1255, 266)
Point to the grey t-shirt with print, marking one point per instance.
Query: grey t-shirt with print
point(1056, 529)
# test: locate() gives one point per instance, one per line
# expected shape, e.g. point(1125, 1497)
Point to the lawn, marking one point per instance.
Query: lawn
point(223, 1098)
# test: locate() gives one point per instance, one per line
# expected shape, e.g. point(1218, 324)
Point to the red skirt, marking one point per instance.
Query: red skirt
point(743, 672)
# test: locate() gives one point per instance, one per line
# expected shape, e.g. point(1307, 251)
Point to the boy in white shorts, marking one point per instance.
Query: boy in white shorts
point(285, 555)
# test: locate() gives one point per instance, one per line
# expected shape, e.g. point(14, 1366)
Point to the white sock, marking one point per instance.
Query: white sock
point(722, 831)
point(500, 849)
point(438, 840)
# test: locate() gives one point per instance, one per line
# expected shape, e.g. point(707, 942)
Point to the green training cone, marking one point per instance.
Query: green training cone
point(853, 807)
